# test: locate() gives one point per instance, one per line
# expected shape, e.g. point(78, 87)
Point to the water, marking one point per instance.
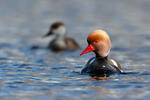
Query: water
point(41, 75)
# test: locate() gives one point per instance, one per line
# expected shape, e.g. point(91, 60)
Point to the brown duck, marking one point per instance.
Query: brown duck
point(60, 42)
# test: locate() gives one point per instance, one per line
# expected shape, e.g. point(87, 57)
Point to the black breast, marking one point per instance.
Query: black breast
point(100, 67)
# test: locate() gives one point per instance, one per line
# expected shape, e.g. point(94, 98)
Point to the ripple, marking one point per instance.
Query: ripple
point(31, 72)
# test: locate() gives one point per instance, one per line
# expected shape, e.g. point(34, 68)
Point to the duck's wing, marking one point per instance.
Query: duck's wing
point(72, 44)
point(116, 64)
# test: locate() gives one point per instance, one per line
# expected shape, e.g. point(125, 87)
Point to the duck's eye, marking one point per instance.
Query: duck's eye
point(95, 41)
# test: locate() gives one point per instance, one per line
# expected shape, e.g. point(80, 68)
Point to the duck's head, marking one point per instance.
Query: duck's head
point(99, 42)
point(57, 28)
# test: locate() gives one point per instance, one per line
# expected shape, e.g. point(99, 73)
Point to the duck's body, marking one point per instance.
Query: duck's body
point(60, 42)
point(100, 65)
point(63, 45)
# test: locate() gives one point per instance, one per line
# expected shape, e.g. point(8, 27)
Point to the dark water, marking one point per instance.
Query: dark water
point(27, 74)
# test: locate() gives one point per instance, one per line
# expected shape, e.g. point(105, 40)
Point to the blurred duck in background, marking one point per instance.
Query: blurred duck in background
point(99, 42)
point(60, 42)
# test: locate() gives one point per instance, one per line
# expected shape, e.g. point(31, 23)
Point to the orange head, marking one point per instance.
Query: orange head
point(99, 42)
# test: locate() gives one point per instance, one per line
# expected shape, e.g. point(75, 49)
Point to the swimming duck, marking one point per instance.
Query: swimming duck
point(60, 42)
point(100, 65)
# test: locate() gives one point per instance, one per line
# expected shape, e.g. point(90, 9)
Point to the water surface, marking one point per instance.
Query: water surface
point(42, 75)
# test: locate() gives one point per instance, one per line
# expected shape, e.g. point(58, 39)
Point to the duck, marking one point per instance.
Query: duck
point(99, 42)
point(60, 42)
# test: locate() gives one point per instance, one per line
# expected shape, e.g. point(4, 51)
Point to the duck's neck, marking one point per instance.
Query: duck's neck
point(60, 37)
point(60, 40)
point(100, 57)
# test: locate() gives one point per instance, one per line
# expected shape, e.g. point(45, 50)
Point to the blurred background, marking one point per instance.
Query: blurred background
point(40, 74)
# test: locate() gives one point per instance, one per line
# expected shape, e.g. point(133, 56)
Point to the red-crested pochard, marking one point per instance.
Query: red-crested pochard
point(60, 41)
point(99, 42)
